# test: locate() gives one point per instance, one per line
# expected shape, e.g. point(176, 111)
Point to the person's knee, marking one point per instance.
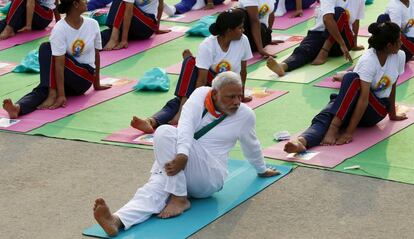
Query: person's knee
point(338, 12)
point(350, 78)
point(383, 18)
point(164, 133)
point(45, 47)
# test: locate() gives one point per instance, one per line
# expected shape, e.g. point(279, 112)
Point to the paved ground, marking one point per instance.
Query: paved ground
point(47, 188)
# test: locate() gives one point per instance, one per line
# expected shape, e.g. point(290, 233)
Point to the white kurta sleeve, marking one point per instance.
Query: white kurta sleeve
point(250, 143)
point(189, 119)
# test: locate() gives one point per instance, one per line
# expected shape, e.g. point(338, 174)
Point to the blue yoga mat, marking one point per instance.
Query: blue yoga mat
point(241, 184)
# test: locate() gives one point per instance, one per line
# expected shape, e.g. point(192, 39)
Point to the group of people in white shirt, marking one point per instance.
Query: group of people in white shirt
point(207, 107)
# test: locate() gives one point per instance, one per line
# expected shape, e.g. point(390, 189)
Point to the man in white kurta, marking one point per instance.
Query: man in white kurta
point(188, 167)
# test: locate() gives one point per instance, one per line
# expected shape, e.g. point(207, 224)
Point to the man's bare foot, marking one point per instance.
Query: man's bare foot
point(12, 109)
point(50, 100)
point(187, 53)
point(330, 136)
point(7, 33)
point(142, 124)
point(175, 206)
point(294, 146)
point(321, 58)
point(275, 67)
point(109, 222)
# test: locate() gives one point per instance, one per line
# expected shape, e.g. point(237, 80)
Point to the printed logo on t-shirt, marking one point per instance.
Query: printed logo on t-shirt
point(223, 66)
point(143, 2)
point(263, 10)
point(382, 84)
point(77, 47)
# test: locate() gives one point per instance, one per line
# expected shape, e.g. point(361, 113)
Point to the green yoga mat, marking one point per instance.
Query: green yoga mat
point(241, 184)
point(307, 73)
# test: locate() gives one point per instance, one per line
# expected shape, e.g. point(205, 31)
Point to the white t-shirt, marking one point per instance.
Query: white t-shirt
point(211, 56)
point(264, 7)
point(148, 6)
point(381, 77)
point(355, 9)
point(402, 15)
point(80, 43)
point(47, 3)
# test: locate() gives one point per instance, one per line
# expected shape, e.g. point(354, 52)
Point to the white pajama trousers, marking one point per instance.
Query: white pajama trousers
point(201, 178)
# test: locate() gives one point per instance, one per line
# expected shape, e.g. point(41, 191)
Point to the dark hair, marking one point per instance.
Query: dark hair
point(382, 34)
point(229, 19)
point(65, 5)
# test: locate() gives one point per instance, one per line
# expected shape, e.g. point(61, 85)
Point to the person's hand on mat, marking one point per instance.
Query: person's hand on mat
point(297, 13)
point(159, 31)
point(176, 165)
point(102, 87)
point(59, 102)
point(247, 99)
point(25, 29)
point(347, 56)
point(264, 53)
point(121, 45)
point(339, 76)
point(398, 116)
point(270, 172)
point(358, 48)
point(344, 138)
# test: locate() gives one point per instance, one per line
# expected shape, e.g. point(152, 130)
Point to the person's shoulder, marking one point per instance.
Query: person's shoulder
point(246, 112)
point(401, 56)
point(90, 22)
point(208, 41)
point(200, 92)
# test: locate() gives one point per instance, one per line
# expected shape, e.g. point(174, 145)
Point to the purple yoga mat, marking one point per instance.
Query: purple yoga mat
point(24, 37)
point(408, 73)
point(285, 22)
point(75, 104)
point(331, 156)
point(6, 67)
point(197, 14)
point(135, 47)
point(134, 136)
point(272, 49)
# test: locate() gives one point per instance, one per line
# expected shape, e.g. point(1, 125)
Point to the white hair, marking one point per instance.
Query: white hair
point(225, 78)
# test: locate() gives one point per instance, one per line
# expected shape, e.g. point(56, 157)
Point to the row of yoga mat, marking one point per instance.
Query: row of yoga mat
point(281, 23)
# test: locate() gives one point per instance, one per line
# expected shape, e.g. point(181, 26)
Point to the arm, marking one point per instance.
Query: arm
point(255, 28)
point(355, 29)
point(251, 147)
point(330, 24)
point(30, 6)
point(160, 9)
point(393, 114)
point(243, 75)
point(96, 83)
point(271, 20)
point(126, 24)
point(56, 12)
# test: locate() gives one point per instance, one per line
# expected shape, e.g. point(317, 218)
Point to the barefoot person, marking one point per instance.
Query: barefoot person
point(187, 5)
point(366, 95)
point(26, 15)
point(258, 22)
point(226, 50)
point(69, 64)
point(131, 20)
point(191, 160)
point(401, 12)
point(283, 6)
point(334, 34)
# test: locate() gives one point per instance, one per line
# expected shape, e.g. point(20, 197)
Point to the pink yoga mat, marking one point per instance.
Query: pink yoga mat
point(363, 31)
point(134, 47)
point(285, 22)
point(408, 74)
point(134, 136)
point(330, 156)
point(6, 67)
point(197, 14)
point(272, 49)
point(75, 104)
point(24, 37)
